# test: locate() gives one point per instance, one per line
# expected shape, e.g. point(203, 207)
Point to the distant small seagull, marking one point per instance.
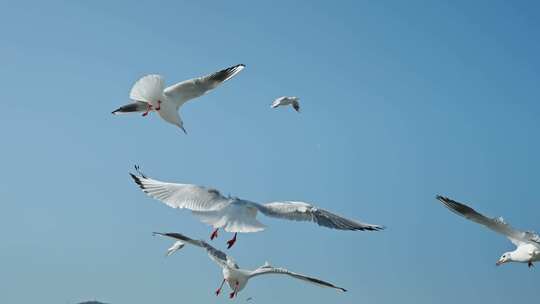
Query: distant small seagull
point(287, 100)
point(527, 243)
point(237, 278)
point(238, 215)
point(149, 94)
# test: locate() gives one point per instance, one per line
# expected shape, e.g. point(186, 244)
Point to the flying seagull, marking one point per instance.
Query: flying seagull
point(527, 243)
point(238, 215)
point(149, 94)
point(236, 277)
point(287, 100)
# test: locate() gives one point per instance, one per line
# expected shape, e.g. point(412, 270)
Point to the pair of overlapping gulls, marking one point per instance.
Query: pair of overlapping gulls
point(238, 216)
point(149, 94)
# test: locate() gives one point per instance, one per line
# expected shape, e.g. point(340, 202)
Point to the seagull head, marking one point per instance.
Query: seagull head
point(505, 258)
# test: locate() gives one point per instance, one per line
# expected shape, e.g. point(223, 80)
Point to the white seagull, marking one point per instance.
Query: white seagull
point(149, 94)
point(238, 215)
point(527, 242)
point(285, 101)
point(236, 277)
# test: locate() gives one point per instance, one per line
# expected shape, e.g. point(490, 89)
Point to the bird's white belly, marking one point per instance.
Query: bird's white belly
point(235, 278)
point(169, 113)
point(527, 253)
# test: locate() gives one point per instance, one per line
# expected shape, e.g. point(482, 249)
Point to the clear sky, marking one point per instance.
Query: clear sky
point(401, 101)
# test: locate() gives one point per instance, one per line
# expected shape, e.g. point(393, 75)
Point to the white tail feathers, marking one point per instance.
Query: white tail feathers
point(148, 89)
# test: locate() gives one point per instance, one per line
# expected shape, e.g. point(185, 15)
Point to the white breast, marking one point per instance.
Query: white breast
point(234, 276)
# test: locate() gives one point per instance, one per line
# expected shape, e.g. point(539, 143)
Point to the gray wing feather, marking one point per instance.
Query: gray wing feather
point(189, 89)
point(137, 106)
point(193, 197)
point(300, 211)
point(267, 269)
point(495, 224)
point(216, 255)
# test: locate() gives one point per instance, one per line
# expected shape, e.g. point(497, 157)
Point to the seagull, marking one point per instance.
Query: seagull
point(236, 277)
point(149, 94)
point(527, 242)
point(235, 214)
point(287, 100)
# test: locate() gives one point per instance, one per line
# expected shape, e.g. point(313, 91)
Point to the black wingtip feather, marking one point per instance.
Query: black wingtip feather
point(137, 180)
point(227, 73)
point(377, 228)
point(456, 207)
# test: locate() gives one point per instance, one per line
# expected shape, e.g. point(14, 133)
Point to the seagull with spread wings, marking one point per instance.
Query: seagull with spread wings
point(148, 94)
point(236, 277)
point(527, 243)
point(238, 215)
point(287, 101)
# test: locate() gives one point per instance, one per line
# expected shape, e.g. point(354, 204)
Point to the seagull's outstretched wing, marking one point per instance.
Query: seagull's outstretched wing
point(147, 89)
point(137, 106)
point(496, 224)
point(267, 269)
point(189, 89)
point(218, 256)
point(192, 197)
point(300, 211)
point(277, 102)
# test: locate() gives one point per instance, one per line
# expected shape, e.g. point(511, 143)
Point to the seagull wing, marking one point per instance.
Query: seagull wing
point(193, 88)
point(296, 105)
point(218, 256)
point(277, 102)
point(300, 211)
point(192, 197)
point(496, 224)
point(267, 269)
point(148, 89)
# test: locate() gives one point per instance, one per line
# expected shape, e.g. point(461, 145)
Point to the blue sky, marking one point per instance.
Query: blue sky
point(401, 100)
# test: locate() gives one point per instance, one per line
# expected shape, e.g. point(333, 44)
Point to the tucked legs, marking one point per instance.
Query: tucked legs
point(231, 242)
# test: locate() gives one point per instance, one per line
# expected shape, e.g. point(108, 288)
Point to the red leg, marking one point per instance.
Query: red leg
point(159, 105)
point(214, 234)
point(148, 109)
point(235, 291)
point(218, 291)
point(231, 242)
